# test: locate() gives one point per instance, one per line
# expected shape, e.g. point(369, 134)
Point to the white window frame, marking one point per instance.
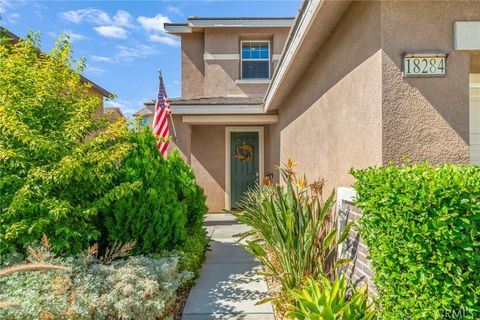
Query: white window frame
point(269, 60)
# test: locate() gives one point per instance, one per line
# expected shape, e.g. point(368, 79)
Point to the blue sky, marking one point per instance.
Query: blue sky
point(124, 41)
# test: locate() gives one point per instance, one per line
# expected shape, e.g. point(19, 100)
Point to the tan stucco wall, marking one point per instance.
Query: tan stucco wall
point(220, 75)
point(208, 162)
point(353, 108)
point(425, 118)
point(217, 77)
point(332, 118)
point(193, 77)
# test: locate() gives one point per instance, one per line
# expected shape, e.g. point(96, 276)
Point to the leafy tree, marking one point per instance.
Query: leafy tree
point(57, 162)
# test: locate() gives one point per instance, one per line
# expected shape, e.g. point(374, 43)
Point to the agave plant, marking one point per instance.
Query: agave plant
point(292, 232)
point(323, 300)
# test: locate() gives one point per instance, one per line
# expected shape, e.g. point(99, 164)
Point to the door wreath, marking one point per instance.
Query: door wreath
point(244, 152)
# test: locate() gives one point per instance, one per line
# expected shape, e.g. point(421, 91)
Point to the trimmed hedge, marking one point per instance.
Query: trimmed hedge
point(421, 225)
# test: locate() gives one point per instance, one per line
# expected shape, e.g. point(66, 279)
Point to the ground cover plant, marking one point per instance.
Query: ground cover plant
point(421, 225)
point(93, 287)
point(293, 233)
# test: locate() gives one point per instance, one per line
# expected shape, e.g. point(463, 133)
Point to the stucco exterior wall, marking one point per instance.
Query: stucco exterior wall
point(193, 76)
point(220, 75)
point(208, 163)
point(332, 118)
point(425, 118)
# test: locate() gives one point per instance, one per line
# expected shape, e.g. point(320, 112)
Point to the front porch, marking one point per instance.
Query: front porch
point(210, 138)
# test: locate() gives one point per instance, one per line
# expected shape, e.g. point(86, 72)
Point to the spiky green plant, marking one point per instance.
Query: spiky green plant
point(292, 232)
point(322, 300)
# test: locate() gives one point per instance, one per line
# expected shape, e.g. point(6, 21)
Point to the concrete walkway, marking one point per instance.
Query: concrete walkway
point(228, 286)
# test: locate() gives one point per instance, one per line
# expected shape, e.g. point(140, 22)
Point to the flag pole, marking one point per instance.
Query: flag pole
point(170, 113)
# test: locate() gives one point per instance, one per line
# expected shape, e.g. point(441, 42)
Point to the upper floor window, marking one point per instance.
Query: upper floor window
point(255, 59)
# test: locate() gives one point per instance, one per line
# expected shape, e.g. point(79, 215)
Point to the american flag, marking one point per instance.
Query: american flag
point(160, 121)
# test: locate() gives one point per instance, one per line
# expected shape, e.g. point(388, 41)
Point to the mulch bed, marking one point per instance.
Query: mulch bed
point(182, 296)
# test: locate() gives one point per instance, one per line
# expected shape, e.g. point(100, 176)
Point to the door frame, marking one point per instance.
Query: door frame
point(228, 177)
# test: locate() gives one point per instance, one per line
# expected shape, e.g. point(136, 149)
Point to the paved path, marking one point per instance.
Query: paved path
point(228, 286)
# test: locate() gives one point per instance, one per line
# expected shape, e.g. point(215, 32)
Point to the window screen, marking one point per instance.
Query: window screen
point(255, 60)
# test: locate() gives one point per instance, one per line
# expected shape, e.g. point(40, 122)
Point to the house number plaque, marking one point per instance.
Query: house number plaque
point(425, 65)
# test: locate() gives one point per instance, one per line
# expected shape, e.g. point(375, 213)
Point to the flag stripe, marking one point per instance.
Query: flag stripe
point(160, 122)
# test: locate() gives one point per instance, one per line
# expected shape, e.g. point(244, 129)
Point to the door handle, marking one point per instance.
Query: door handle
point(256, 176)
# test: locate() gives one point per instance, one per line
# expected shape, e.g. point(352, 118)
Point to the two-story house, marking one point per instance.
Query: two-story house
point(346, 84)
point(227, 64)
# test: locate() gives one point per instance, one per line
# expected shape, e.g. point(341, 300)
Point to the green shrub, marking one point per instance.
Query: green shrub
point(421, 225)
point(137, 288)
point(53, 180)
point(323, 300)
point(153, 216)
point(291, 230)
point(188, 191)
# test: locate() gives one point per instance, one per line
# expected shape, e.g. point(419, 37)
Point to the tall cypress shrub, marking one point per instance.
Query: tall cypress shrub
point(188, 191)
point(152, 215)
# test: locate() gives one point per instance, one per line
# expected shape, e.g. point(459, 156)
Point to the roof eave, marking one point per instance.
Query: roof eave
point(198, 24)
point(289, 68)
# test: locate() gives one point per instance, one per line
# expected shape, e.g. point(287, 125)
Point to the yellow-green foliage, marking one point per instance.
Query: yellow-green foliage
point(56, 161)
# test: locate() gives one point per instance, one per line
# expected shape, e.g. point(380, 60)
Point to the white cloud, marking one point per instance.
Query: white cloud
point(112, 32)
point(98, 17)
point(154, 26)
point(90, 15)
point(154, 23)
point(110, 27)
point(131, 53)
point(175, 10)
point(3, 6)
point(74, 37)
point(101, 58)
point(90, 70)
point(163, 39)
point(122, 18)
point(13, 18)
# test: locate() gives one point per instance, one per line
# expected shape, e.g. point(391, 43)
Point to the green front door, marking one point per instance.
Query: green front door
point(244, 164)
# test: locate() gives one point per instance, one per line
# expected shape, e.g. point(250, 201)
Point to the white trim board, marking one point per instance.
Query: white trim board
point(221, 56)
point(230, 56)
point(252, 81)
point(261, 164)
point(230, 119)
point(240, 23)
point(217, 109)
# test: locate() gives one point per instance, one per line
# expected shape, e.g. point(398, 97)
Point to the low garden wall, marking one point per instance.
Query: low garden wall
point(359, 270)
